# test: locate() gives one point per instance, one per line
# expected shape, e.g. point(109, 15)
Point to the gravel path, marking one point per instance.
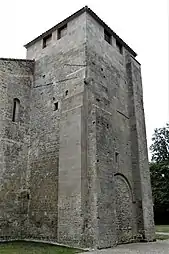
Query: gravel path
point(160, 247)
point(162, 233)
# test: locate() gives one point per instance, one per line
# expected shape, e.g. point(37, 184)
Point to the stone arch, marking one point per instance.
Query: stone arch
point(128, 183)
point(124, 208)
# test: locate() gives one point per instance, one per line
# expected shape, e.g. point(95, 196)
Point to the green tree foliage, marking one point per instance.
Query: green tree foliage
point(160, 146)
point(160, 184)
point(159, 170)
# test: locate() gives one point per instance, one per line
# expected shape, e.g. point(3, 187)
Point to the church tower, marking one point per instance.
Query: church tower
point(87, 180)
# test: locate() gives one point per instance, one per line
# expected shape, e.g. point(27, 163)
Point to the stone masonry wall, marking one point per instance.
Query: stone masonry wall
point(55, 153)
point(142, 186)
point(118, 219)
point(15, 82)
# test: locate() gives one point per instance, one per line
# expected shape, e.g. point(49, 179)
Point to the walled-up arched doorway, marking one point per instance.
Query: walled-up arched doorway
point(124, 209)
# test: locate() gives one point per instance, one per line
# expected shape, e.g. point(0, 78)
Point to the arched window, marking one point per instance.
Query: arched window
point(16, 106)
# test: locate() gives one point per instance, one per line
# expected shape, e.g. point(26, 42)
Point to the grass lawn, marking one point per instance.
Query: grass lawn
point(162, 228)
point(34, 248)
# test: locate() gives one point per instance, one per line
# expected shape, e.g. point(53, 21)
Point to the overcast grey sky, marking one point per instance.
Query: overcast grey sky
point(143, 24)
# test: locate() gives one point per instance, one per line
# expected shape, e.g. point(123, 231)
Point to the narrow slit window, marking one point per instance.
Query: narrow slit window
point(56, 106)
point(107, 36)
point(119, 47)
point(47, 40)
point(62, 31)
point(16, 107)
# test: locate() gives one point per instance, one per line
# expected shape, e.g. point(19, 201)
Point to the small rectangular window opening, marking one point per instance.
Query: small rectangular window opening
point(62, 31)
point(56, 106)
point(116, 157)
point(47, 40)
point(119, 47)
point(107, 36)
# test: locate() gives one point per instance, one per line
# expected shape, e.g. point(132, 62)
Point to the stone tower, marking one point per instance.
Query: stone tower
point(73, 154)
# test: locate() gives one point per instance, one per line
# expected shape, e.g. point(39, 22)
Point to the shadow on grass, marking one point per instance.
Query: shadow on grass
point(19, 247)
